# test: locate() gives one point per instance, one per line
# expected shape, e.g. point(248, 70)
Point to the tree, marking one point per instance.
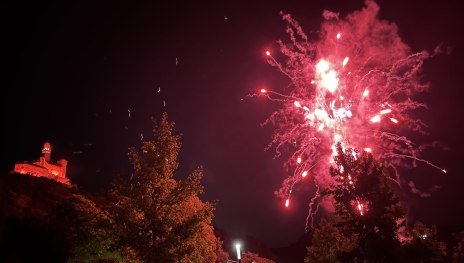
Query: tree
point(88, 227)
point(248, 257)
point(422, 245)
point(366, 209)
point(159, 218)
point(328, 244)
point(221, 255)
point(458, 251)
point(369, 219)
point(366, 204)
point(52, 222)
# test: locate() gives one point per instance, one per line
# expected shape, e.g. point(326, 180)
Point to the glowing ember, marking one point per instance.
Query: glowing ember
point(297, 104)
point(298, 160)
point(375, 119)
point(268, 53)
point(263, 91)
point(339, 35)
point(394, 120)
point(345, 61)
point(360, 207)
point(287, 202)
point(365, 93)
point(304, 174)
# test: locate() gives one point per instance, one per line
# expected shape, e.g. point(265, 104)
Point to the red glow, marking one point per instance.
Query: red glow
point(263, 90)
point(44, 168)
point(268, 53)
point(336, 108)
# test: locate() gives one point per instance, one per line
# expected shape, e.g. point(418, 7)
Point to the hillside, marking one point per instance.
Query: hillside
point(40, 219)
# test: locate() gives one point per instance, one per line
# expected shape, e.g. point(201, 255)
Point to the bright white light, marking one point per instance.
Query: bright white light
point(287, 202)
point(360, 208)
point(237, 246)
point(304, 174)
point(368, 149)
point(322, 66)
point(298, 160)
point(263, 91)
point(339, 35)
point(326, 78)
point(365, 93)
point(386, 111)
point(310, 116)
point(444, 170)
point(341, 112)
point(331, 81)
point(394, 120)
point(345, 61)
point(297, 104)
point(320, 114)
point(268, 53)
point(375, 119)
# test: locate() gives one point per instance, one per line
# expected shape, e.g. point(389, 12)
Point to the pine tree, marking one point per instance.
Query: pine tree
point(159, 218)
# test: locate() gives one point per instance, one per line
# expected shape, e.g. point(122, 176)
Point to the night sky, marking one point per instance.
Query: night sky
point(74, 71)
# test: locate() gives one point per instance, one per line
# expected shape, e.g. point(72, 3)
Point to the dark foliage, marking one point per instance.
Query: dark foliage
point(369, 224)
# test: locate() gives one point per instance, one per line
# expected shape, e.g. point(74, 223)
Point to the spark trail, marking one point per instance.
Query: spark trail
point(356, 84)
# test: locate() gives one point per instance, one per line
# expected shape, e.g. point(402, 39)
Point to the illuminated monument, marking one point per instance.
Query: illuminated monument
point(44, 168)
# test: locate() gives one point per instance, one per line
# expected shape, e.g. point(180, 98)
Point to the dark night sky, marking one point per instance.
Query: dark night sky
point(75, 68)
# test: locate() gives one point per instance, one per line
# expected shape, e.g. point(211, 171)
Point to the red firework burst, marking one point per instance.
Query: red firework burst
point(354, 84)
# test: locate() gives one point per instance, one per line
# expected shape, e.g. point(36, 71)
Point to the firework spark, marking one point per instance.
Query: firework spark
point(354, 84)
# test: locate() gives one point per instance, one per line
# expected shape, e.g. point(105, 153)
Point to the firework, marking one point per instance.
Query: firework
point(355, 84)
